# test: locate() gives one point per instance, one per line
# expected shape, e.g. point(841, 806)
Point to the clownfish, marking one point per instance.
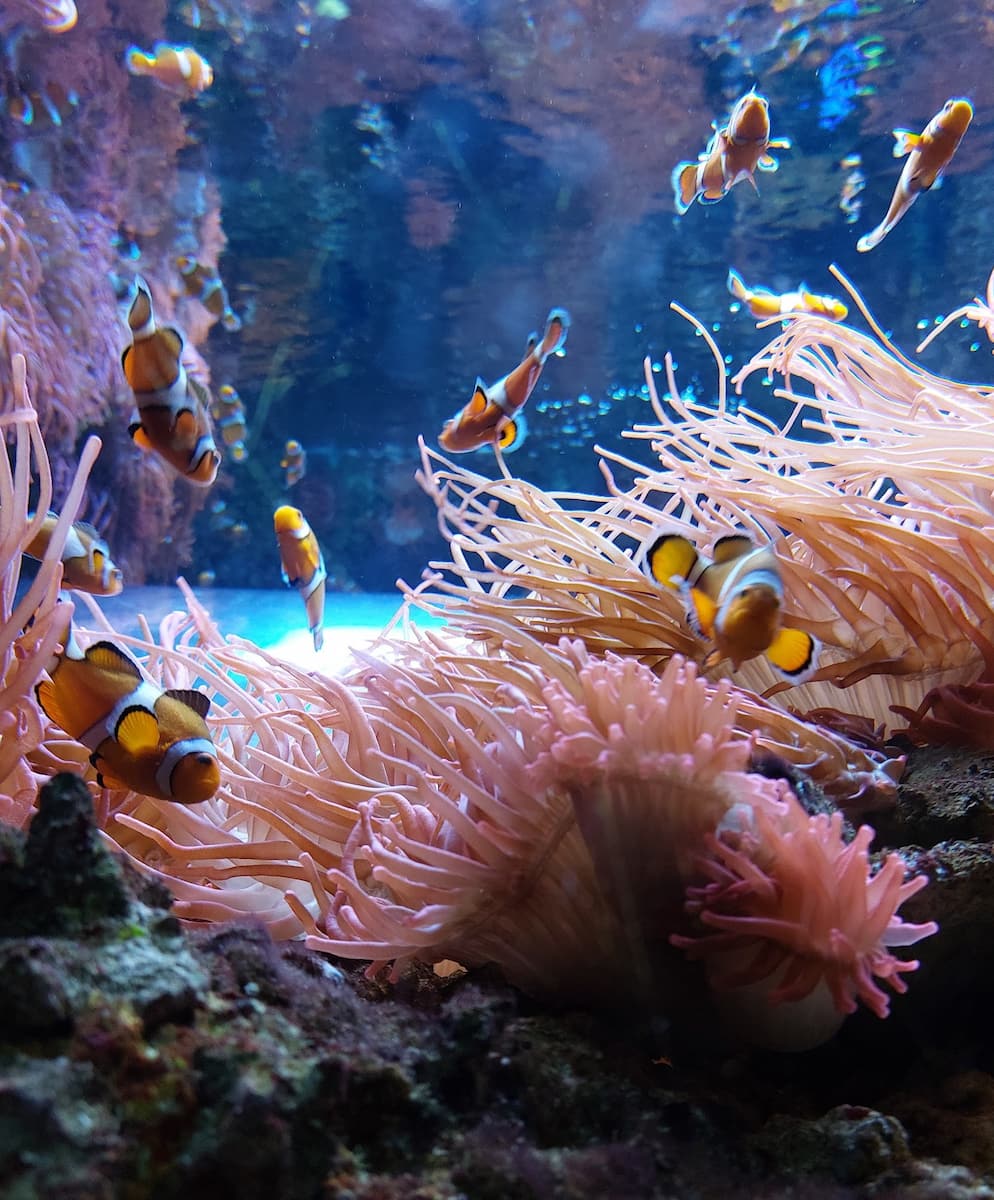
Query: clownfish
point(229, 417)
point(86, 562)
point(178, 68)
point(928, 153)
point(734, 601)
point(204, 284)
point(735, 152)
point(171, 417)
point(294, 462)
point(492, 416)
point(140, 737)
point(303, 565)
point(763, 303)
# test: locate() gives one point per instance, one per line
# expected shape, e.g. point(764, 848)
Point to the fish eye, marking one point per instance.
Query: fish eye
point(204, 760)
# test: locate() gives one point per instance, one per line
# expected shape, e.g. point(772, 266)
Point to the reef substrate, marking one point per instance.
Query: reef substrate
point(138, 1060)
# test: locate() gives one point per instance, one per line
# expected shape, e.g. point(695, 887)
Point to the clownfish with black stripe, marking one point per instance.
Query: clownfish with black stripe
point(172, 414)
point(734, 600)
point(493, 415)
point(141, 737)
point(86, 562)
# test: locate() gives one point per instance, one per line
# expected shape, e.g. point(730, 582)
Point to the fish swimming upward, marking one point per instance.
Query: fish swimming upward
point(172, 416)
point(928, 154)
point(86, 561)
point(734, 601)
point(303, 565)
point(763, 303)
point(735, 152)
point(178, 68)
point(492, 416)
point(140, 737)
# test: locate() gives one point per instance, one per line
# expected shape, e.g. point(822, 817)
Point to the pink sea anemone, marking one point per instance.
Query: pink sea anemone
point(798, 929)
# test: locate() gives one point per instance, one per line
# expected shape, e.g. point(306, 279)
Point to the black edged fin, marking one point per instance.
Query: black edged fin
point(200, 703)
point(732, 546)
point(671, 555)
point(107, 655)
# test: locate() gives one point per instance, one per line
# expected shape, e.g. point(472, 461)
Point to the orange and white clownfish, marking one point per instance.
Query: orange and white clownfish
point(229, 416)
point(86, 562)
point(735, 152)
point(493, 415)
point(204, 284)
point(763, 303)
point(140, 737)
point(303, 565)
point(294, 462)
point(928, 153)
point(178, 68)
point(172, 415)
point(734, 601)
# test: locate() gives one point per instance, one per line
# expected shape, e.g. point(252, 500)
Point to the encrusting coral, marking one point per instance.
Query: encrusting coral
point(511, 790)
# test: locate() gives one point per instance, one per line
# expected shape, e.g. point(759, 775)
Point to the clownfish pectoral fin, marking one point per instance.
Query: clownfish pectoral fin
point(137, 731)
point(779, 144)
point(109, 657)
point(684, 181)
point(671, 556)
point(905, 141)
point(512, 434)
point(793, 653)
point(47, 696)
point(737, 286)
point(731, 546)
point(196, 700)
point(140, 437)
point(478, 401)
point(701, 612)
point(768, 163)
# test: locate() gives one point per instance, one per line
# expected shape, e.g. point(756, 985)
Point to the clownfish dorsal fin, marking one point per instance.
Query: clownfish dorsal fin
point(671, 556)
point(137, 731)
point(732, 546)
point(531, 343)
point(793, 653)
point(141, 438)
point(195, 700)
point(478, 401)
point(109, 657)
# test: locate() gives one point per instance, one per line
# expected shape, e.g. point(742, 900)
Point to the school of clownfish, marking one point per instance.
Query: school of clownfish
point(156, 741)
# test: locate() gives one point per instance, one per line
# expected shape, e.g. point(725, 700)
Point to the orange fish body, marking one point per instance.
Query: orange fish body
point(178, 68)
point(734, 601)
point(763, 303)
point(928, 154)
point(735, 152)
point(171, 417)
point(303, 565)
point(140, 737)
point(492, 416)
point(86, 562)
point(204, 284)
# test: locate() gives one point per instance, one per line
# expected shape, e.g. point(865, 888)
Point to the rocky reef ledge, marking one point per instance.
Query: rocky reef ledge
point(139, 1059)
